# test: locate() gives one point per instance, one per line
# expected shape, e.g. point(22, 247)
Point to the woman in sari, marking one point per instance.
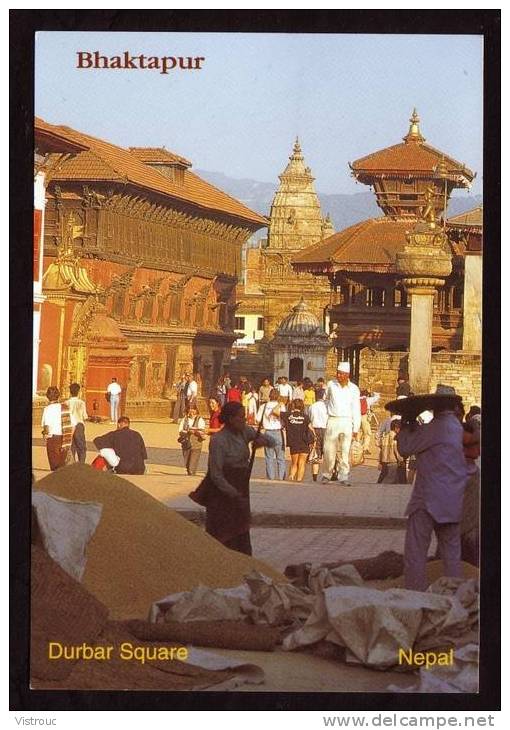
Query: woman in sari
point(228, 514)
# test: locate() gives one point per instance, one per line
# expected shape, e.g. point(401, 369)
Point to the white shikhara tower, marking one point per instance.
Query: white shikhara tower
point(295, 218)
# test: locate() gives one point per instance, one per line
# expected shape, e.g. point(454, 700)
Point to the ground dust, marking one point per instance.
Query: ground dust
point(142, 550)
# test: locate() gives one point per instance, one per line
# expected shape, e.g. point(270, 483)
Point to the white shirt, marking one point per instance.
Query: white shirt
point(52, 418)
point(373, 399)
point(187, 423)
point(270, 422)
point(114, 389)
point(284, 389)
point(344, 402)
point(318, 414)
point(77, 410)
point(192, 390)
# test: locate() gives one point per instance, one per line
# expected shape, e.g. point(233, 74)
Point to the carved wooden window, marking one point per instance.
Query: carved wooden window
point(171, 353)
point(458, 296)
point(260, 323)
point(110, 227)
point(160, 315)
point(199, 312)
point(375, 296)
point(132, 308)
point(148, 304)
point(175, 305)
point(119, 299)
point(239, 323)
point(399, 298)
point(142, 373)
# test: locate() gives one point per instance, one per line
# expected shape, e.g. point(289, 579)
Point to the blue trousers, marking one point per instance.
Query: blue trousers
point(420, 526)
point(275, 457)
point(114, 408)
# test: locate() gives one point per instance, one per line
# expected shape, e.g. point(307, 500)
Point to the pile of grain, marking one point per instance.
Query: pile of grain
point(63, 611)
point(142, 550)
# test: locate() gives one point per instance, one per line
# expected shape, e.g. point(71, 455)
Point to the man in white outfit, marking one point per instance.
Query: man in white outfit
point(114, 389)
point(344, 420)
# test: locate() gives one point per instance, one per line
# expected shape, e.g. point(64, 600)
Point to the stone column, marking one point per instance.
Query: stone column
point(472, 325)
point(420, 346)
point(424, 262)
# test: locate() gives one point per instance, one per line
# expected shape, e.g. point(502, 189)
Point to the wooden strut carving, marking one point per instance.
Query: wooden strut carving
point(84, 316)
point(122, 282)
point(131, 226)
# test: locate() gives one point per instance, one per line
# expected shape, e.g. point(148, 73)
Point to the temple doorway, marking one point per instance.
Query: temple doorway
point(296, 369)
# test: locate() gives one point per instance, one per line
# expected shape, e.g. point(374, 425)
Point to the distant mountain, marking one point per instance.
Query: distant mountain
point(344, 209)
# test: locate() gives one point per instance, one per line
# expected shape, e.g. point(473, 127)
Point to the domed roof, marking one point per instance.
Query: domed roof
point(301, 322)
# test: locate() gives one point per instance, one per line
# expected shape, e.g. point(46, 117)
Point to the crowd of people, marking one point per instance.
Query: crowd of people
point(435, 448)
point(316, 422)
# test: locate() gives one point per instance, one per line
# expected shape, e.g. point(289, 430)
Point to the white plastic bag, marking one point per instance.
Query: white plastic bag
point(66, 528)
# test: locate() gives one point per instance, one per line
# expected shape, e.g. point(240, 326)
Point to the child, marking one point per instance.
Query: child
point(191, 437)
point(389, 455)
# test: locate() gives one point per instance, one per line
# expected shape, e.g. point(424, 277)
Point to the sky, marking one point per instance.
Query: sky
point(344, 95)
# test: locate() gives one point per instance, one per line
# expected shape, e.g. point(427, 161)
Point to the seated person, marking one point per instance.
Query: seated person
point(128, 447)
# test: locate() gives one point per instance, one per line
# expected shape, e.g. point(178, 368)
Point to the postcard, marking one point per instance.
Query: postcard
point(257, 363)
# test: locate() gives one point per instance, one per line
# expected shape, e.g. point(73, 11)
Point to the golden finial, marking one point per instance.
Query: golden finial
point(297, 147)
point(414, 129)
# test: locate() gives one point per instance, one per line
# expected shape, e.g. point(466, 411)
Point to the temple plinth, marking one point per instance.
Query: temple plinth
point(425, 262)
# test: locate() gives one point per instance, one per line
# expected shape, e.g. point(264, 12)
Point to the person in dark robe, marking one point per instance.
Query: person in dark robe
point(128, 446)
point(228, 514)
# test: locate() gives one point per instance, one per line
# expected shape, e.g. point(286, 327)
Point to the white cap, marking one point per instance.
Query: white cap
point(343, 367)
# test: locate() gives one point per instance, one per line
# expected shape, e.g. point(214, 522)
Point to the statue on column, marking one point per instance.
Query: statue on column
point(428, 213)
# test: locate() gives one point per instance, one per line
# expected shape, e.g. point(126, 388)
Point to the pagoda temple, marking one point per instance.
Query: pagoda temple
point(139, 271)
point(408, 179)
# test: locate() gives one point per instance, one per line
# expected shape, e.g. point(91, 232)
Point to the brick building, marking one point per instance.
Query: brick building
point(141, 262)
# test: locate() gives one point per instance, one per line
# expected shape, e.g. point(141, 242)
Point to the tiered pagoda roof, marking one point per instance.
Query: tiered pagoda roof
point(410, 158)
point(472, 219)
point(466, 231)
point(103, 161)
point(369, 245)
point(405, 177)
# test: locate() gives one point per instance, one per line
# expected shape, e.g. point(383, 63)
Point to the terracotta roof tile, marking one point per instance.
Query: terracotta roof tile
point(412, 157)
point(470, 218)
point(369, 245)
point(55, 140)
point(158, 154)
point(106, 161)
point(86, 166)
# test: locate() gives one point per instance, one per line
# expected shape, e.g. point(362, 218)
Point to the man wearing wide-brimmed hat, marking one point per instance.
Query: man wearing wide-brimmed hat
point(441, 477)
point(344, 420)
